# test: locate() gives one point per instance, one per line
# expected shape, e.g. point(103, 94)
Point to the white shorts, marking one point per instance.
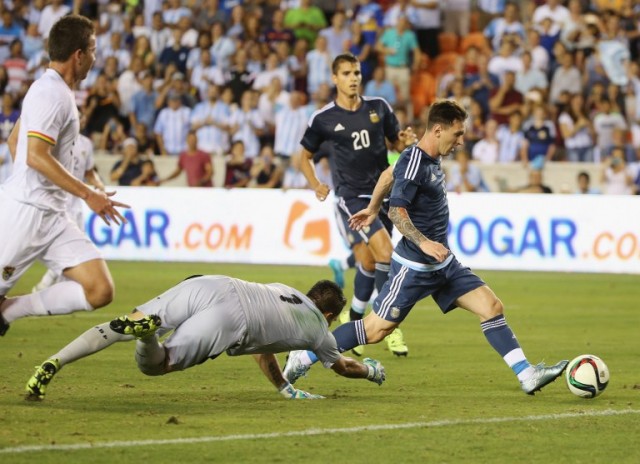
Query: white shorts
point(28, 234)
point(205, 316)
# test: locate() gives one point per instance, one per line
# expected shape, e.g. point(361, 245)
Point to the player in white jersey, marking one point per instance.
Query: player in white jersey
point(35, 195)
point(210, 315)
point(83, 167)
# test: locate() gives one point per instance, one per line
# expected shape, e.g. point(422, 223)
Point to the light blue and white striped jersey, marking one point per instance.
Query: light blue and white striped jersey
point(245, 132)
point(211, 138)
point(319, 70)
point(173, 126)
point(290, 127)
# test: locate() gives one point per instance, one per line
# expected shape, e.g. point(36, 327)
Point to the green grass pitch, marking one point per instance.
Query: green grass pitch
point(451, 400)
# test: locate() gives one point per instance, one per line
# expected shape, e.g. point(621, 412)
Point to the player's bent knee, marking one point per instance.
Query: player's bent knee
point(149, 368)
point(100, 294)
point(497, 308)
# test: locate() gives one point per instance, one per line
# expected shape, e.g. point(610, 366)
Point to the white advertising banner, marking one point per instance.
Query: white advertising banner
point(589, 233)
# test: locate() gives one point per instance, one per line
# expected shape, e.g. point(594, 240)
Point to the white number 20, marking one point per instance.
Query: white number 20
point(361, 139)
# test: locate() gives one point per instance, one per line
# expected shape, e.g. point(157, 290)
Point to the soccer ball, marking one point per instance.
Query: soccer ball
point(587, 376)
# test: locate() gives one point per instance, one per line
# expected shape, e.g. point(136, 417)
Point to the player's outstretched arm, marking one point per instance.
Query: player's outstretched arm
point(308, 170)
point(271, 369)
point(369, 369)
point(365, 217)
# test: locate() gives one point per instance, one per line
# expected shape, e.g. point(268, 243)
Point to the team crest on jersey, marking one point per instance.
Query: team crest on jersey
point(395, 312)
point(373, 116)
point(7, 272)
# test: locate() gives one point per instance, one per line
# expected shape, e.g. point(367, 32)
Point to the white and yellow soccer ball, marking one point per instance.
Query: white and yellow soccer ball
point(587, 376)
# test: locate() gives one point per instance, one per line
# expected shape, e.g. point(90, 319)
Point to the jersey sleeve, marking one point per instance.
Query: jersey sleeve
point(405, 186)
point(312, 137)
point(391, 124)
point(45, 118)
point(327, 351)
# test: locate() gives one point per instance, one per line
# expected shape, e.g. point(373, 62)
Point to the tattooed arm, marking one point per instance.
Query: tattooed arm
point(401, 220)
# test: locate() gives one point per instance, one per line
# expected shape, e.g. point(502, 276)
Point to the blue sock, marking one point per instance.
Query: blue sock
point(382, 274)
point(502, 339)
point(350, 335)
point(363, 284)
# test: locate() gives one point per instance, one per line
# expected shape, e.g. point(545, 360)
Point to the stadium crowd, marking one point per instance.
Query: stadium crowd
point(545, 81)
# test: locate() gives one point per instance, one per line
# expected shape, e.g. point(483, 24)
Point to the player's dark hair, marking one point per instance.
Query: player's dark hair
point(69, 34)
point(328, 297)
point(445, 113)
point(343, 58)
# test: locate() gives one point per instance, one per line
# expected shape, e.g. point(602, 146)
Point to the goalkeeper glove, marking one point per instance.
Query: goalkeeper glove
point(291, 393)
point(376, 371)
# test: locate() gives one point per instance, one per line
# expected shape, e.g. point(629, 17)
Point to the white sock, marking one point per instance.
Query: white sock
point(93, 340)
point(150, 356)
point(304, 357)
point(48, 279)
point(61, 298)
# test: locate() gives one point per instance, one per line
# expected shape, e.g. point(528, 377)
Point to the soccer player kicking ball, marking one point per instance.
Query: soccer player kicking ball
point(210, 315)
point(422, 264)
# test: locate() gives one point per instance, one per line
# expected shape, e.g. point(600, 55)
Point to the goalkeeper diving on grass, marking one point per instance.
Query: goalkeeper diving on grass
point(210, 315)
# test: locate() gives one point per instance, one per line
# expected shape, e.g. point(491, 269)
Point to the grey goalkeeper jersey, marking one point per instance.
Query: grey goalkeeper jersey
point(280, 318)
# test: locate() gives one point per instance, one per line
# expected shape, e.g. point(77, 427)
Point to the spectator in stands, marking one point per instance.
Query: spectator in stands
point(143, 103)
point(337, 34)
point(293, 177)
point(10, 30)
point(584, 184)
point(486, 150)
point(172, 126)
point(102, 106)
point(209, 15)
point(536, 183)
point(270, 102)
point(273, 69)
point(399, 8)
point(265, 173)
point(239, 78)
point(506, 26)
point(566, 77)
point(222, 47)
point(540, 135)
point(290, 124)
point(145, 139)
point(194, 59)
point(529, 78)
point(363, 50)
point(247, 125)
point(488, 10)
point(617, 177)
point(50, 14)
point(318, 66)
point(505, 60)
point(238, 171)
point(604, 123)
point(189, 34)
point(511, 139)
point(195, 163)
point(113, 135)
point(577, 130)
point(475, 125)
point(456, 15)
point(174, 82)
point(305, 20)
point(505, 99)
point(128, 85)
point(210, 120)
point(33, 43)
point(160, 35)
point(381, 87)
point(554, 11)
point(277, 33)
point(16, 66)
point(9, 115)
point(399, 47)
point(464, 176)
point(133, 169)
point(204, 74)
point(175, 53)
point(427, 25)
point(482, 84)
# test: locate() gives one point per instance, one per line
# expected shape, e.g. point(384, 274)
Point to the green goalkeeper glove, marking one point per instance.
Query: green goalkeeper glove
point(291, 393)
point(376, 371)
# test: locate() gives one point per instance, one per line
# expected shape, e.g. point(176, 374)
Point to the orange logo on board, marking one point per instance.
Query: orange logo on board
point(316, 230)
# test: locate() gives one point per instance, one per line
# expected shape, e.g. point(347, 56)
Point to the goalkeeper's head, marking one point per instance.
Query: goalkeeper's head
point(328, 298)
